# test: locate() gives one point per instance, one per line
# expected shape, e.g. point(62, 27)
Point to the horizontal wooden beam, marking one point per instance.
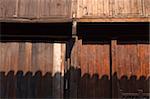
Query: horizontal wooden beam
point(113, 20)
point(63, 20)
point(36, 20)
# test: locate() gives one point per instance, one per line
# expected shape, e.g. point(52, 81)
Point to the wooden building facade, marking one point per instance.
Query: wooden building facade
point(74, 49)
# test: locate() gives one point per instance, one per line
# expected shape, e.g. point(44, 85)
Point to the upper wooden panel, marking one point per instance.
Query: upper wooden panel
point(113, 8)
point(33, 9)
point(66, 10)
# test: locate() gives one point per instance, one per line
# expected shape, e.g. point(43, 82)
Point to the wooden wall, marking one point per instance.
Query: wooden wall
point(59, 9)
point(90, 70)
point(113, 8)
point(35, 8)
point(31, 70)
point(94, 75)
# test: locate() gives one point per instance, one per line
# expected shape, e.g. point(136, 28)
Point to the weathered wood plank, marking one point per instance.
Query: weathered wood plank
point(2, 8)
point(28, 8)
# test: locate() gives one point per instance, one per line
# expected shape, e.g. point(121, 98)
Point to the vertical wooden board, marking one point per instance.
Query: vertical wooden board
point(107, 59)
point(28, 8)
point(122, 62)
point(120, 7)
point(127, 60)
point(2, 53)
point(99, 62)
point(14, 56)
point(90, 59)
point(134, 64)
point(106, 80)
point(44, 5)
point(28, 56)
point(94, 72)
point(62, 69)
point(100, 7)
point(114, 72)
point(95, 8)
point(63, 7)
point(134, 7)
point(22, 8)
point(114, 56)
point(24, 60)
point(90, 70)
point(106, 7)
point(118, 57)
point(147, 60)
point(7, 58)
point(79, 8)
point(89, 4)
point(45, 8)
point(97, 69)
point(143, 51)
point(140, 7)
point(35, 66)
point(115, 6)
point(83, 63)
point(2, 8)
point(41, 57)
point(111, 11)
point(135, 61)
point(48, 57)
point(10, 8)
point(147, 8)
point(53, 7)
point(79, 87)
point(127, 7)
point(21, 60)
point(85, 72)
point(85, 8)
point(57, 9)
point(56, 70)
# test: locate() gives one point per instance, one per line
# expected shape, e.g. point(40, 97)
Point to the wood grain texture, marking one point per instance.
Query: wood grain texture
point(27, 70)
point(113, 8)
point(89, 70)
point(70, 9)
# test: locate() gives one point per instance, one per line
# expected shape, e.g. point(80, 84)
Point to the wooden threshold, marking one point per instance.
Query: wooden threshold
point(113, 20)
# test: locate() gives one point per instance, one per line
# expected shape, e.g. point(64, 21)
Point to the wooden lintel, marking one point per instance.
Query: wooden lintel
point(62, 20)
point(35, 20)
point(113, 19)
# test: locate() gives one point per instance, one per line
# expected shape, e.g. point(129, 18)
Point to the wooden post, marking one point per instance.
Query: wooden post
point(74, 29)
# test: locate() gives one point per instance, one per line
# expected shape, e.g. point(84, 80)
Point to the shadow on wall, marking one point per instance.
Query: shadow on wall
point(99, 86)
point(27, 85)
point(30, 86)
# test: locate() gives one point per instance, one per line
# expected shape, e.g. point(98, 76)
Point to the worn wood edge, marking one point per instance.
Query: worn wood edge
point(113, 20)
point(35, 20)
point(62, 20)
